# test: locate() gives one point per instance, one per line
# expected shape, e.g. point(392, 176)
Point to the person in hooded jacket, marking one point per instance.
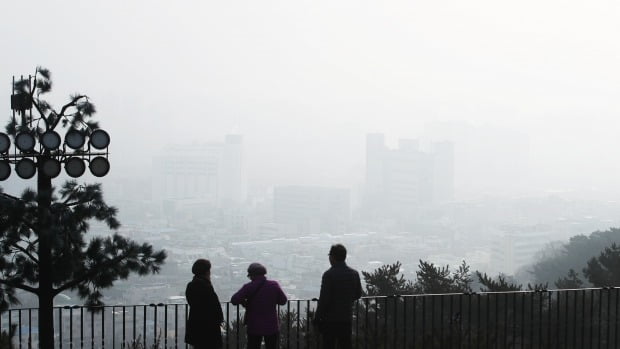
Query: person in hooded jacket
point(260, 298)
point(202, 330)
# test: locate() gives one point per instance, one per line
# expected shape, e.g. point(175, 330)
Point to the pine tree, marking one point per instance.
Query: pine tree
point(43, 244)
point(569, 281)
point(386, 281)
point(604, 270)
point(501, 284)
point(432, 279)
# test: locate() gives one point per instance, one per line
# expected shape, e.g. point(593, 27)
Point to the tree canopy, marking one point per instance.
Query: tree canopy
point(604, 270)
point(555, 262)
point(43, 244)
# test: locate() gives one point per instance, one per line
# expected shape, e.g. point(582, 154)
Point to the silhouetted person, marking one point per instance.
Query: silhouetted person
point(340, 287)
point(260, 297)
point(205, 313)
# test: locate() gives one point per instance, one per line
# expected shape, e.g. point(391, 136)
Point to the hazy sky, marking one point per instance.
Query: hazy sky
point(304, 81)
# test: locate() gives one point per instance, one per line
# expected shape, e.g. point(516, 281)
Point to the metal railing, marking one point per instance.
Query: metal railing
point(580, 318)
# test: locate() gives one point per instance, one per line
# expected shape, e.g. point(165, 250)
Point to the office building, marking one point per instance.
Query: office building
point(405, 177)
point(213, 173)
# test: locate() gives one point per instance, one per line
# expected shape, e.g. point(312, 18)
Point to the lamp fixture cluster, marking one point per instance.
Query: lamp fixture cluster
point(52, 152)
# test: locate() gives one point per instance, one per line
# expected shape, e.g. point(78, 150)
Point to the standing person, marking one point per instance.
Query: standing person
point(202, 330)
point(340, 287)
point(260, 297)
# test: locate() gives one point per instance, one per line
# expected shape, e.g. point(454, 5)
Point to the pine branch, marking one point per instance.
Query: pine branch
point(20, 286)
point(26, 252)
point(10, 197)
point(35, 87)
point(73, 103)
point(36, 105)
point(97, 269)
point(66, 203)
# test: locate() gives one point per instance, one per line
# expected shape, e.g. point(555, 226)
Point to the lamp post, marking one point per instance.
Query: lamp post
point(38, 149)
point(47, 156)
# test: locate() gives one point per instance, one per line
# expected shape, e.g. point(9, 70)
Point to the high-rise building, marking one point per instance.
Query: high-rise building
point(232, 177)
point(515, 246)
point(405, 177)
point(211, 172)
point(309, 209)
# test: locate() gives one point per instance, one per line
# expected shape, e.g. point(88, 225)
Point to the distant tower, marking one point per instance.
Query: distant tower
point(232, 175)
point(212, 172)
point(375, 174)
point(443, 171)
point(398, 180)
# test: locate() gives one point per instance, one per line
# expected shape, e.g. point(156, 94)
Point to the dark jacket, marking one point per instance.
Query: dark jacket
point(340, 287)
point(261, 313)
point(205, 315)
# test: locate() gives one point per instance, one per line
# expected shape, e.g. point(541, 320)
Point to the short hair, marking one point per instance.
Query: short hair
point(256, 269)
point(201, 266)
point(338, 252)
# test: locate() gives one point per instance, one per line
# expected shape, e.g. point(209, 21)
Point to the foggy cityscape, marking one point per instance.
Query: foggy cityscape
point(477, 131)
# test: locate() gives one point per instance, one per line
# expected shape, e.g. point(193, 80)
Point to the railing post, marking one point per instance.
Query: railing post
point(144, 325)
point(81, 327)
point(29, 328)
point(367, 329)
point(608, 316)
point(155, 338)
point(308, 324)
point(103, 327)
point(413, 314)
point(385, 321)
point(124, 327)
point(405, 322)
point(19, 319)
point(616, 318)
point(600, 316)
point(395, 321)
point(423, 320)
point(176, 326)
point(227, 325)
point(288, 324)
point(441, 321)
point(113, 327)
point(165, 325)
point(71, 327)
point(186, 317)
point(92, 330)
point(238, 326)
point(298, 315)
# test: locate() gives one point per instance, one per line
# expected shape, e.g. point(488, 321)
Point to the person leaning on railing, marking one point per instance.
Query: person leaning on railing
point(260, 297)
point(205, 312)
point(340, 287)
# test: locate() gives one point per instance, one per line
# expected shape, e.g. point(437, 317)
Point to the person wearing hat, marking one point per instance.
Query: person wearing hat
point(205, 312)
point(260, 298)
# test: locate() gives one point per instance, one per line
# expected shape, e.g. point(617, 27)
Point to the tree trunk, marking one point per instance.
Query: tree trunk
point(46, 296)
point(46, 320)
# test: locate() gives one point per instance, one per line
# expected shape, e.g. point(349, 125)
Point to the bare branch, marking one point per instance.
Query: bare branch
point(36, 105)
point(10, 197)
point(73, 103)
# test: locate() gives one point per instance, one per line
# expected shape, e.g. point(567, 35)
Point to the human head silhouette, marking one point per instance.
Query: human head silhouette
point(337, 253)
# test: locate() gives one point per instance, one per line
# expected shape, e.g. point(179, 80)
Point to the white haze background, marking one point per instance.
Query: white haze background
point(304, 81)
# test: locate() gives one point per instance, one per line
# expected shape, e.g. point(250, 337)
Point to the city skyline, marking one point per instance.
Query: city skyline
point(282, 76)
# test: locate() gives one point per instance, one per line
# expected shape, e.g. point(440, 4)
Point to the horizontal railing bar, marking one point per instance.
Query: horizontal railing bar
point(365, 297)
